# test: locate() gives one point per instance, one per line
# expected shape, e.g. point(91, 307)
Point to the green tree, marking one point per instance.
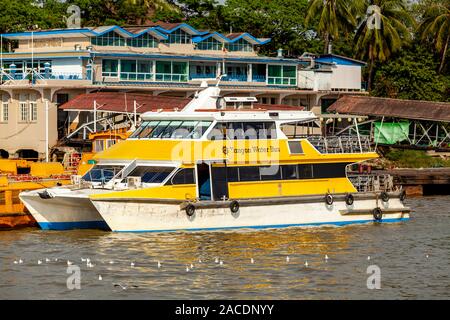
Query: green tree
point(334, 17)
point(436, 28)
point(281, 20)
point(141, 12)
point(411, 75)
point(382, 32)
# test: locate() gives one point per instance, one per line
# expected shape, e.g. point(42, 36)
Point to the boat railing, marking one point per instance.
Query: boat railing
point(340, 144)
point(372, 182)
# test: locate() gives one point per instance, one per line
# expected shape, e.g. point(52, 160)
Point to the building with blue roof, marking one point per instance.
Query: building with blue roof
point(172, 59)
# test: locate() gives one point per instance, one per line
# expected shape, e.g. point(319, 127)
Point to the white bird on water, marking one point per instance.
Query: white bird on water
point(39, 262)
point(192, 266)
point(100, 277)
point(287, 259)
point(88, 261)
point(252, 261)
point(326, 257)
point(427, 256)
point(47, 260)
point(15, 262)
point(132, 264)
point(159, 264)
point(368, 258)
point(20, 261)
point(69, 263)
point(83, 259)
point(90, 265)
point(216, 260)
point(199, 260)
point(187, 269)
point(306, 263)
point(111, 262)
point(221, 262)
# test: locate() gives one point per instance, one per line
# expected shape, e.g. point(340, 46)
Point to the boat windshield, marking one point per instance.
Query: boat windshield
point(102, 173)
point(151, 174)
point(171, 129)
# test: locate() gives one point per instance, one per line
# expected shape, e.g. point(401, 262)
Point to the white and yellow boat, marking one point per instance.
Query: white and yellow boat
point(209, 168)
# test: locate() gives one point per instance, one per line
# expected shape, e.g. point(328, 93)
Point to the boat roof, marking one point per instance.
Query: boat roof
point(233, 115)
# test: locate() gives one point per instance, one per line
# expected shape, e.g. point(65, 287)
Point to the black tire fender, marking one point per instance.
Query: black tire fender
point(377, 214)
point(234, 206)
point(190, 210)
point(384, 196)
point(403, 196)
point(349, 199)
point(329, 199)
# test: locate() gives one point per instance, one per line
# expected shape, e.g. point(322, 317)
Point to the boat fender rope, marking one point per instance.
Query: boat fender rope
point(329, 199)
point(190, 210)
point(234, 206)
point(384, 196)
point(377, 214)
point(349, 199)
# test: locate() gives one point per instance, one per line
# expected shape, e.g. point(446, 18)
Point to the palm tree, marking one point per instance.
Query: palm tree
point(436, 27)
point(334, 17)
point(382, 32)
point(151, 6)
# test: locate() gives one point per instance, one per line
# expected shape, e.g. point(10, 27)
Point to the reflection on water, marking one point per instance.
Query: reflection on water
point(400, 250)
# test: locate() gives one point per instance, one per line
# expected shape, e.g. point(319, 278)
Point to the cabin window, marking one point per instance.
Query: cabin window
point(183, 176)
point(151, 174)
point(289, 172)
point(243, 130)
point(249, 174)
point(305, 171)
point(329, 170)
point(240, 45)
point(295, 147)
point(102, 173)
point(172, 71)
point(272, 172)
point(177, 129)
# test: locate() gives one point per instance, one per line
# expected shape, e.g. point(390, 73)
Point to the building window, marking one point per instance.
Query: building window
point(136, 70)
point(33, 111)
point(143, 41)
point(178, 36)
point(171, 71)
point(4, 112)
point(23, 109)
point(110, 68)
point(240, 45)
point(209, 44)
point(282, 75)
point(109, 39)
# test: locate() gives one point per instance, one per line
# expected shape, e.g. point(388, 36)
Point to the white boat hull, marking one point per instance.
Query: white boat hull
point(63, 211)
point(136, 216)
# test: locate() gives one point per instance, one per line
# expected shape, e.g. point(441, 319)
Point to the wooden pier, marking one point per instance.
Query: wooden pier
point(418, 182)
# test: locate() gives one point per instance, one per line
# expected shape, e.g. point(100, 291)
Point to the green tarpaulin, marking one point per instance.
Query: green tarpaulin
point(391, 133)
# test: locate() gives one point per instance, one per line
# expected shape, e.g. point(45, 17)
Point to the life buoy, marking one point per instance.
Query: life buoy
point(403, 196)
point(190, 210)
point(234, 206)
point(349, 199)
point(384, 196)
point(377, 214)
point(329, 199)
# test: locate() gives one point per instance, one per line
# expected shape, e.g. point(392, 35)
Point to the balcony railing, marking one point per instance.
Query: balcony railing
point(45, 76)
point(236, 77)
point(133, 76)
point(258, 78)
point(202, 75)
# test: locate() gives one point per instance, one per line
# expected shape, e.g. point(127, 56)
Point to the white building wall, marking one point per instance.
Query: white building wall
point(346, 77)
point(67, 66)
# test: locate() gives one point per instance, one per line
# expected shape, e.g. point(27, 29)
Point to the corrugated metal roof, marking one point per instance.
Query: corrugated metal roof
point(394, 108)
point(122, 102)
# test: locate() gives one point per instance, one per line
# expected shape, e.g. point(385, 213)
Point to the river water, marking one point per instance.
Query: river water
point(412, 256)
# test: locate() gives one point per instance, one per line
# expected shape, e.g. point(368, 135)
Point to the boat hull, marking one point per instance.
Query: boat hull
point(63, 212)
point(147, 216)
